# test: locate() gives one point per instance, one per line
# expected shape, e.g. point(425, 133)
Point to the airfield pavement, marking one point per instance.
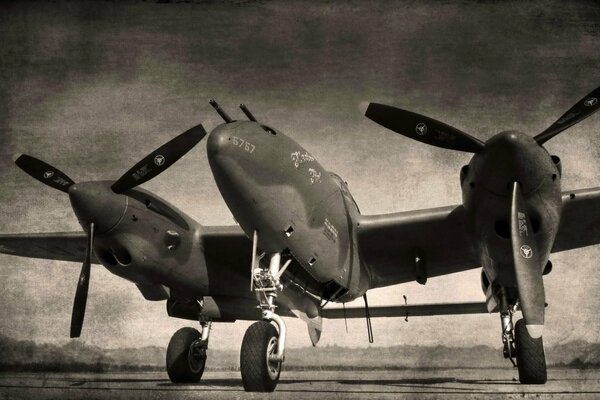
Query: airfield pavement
point(422, 384)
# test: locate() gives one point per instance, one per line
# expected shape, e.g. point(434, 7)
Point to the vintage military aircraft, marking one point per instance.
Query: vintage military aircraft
point(309, 245)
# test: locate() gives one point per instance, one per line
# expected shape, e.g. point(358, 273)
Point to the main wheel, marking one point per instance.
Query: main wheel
point(186, 356)
point(531, 360)
point(259, 374)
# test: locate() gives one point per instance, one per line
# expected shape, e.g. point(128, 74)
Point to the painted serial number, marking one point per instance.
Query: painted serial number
point(243, 144)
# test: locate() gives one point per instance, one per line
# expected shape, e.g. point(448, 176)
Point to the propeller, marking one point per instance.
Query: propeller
point(430, 131)
point(45, 173)
point(580, 111)
point(159, 160)
point(422, 128)
point(83, 285)
point(149, 167)
point(528, 269)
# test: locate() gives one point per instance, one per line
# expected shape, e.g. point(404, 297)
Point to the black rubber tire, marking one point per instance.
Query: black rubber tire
point(531, 360)
point(254, 365)
point(178, 363)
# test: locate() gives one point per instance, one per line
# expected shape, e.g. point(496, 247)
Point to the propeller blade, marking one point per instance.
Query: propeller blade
point(44, 173)
point(422, 128)
point(528, 269)
point(82, 288)
point(159, 160)
point(580, 111)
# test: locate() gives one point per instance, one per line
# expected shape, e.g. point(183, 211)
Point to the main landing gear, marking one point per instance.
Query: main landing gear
point(186, 354)
point(529, 352)
point(263, 346)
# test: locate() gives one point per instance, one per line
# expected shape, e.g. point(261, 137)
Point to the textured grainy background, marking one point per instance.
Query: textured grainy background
point(93, 86)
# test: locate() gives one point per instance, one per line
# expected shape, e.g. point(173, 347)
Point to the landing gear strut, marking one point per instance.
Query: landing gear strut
point(186, 354)
point(508, 339)
point(529, 352)
point(263, 346)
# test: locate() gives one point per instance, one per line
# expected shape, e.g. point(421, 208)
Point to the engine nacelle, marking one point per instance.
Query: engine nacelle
point(184, 309)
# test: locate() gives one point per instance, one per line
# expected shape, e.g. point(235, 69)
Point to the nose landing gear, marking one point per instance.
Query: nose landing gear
point(529, 352)
point(263, 347)
point(508, 339)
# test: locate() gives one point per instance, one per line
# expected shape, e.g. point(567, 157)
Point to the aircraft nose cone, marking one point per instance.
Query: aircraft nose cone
point(218, 141)
point(96, 202)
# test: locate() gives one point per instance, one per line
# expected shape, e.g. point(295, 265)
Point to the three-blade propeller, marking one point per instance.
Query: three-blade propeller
point(526, 257)
point(439, 134)
point(149, 167)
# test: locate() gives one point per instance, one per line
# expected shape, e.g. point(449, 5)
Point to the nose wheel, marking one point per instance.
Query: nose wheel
point(531, 360)
point(263, 347)
point(260, 369)
point(523, 351)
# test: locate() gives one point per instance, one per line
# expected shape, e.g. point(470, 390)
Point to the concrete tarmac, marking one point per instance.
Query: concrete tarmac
point(422, 384)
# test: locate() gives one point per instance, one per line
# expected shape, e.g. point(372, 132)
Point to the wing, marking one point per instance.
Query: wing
point(64, 246)
point(390, 245)
point(223, 246)
point(409, 310)
point(580, 220)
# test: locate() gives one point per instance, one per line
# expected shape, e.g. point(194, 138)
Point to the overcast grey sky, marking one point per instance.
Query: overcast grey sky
point(93, 87)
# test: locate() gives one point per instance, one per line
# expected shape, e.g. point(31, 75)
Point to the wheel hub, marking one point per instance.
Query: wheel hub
point(273, 367)
point(197, 356)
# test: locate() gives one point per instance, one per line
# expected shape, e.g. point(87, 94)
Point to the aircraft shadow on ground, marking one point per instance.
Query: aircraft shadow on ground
point(353, 385)
point(160, 382)
point(353, 381)
point(434, 384)
point(478, 385)
point(79, 382)
point(206, 382)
